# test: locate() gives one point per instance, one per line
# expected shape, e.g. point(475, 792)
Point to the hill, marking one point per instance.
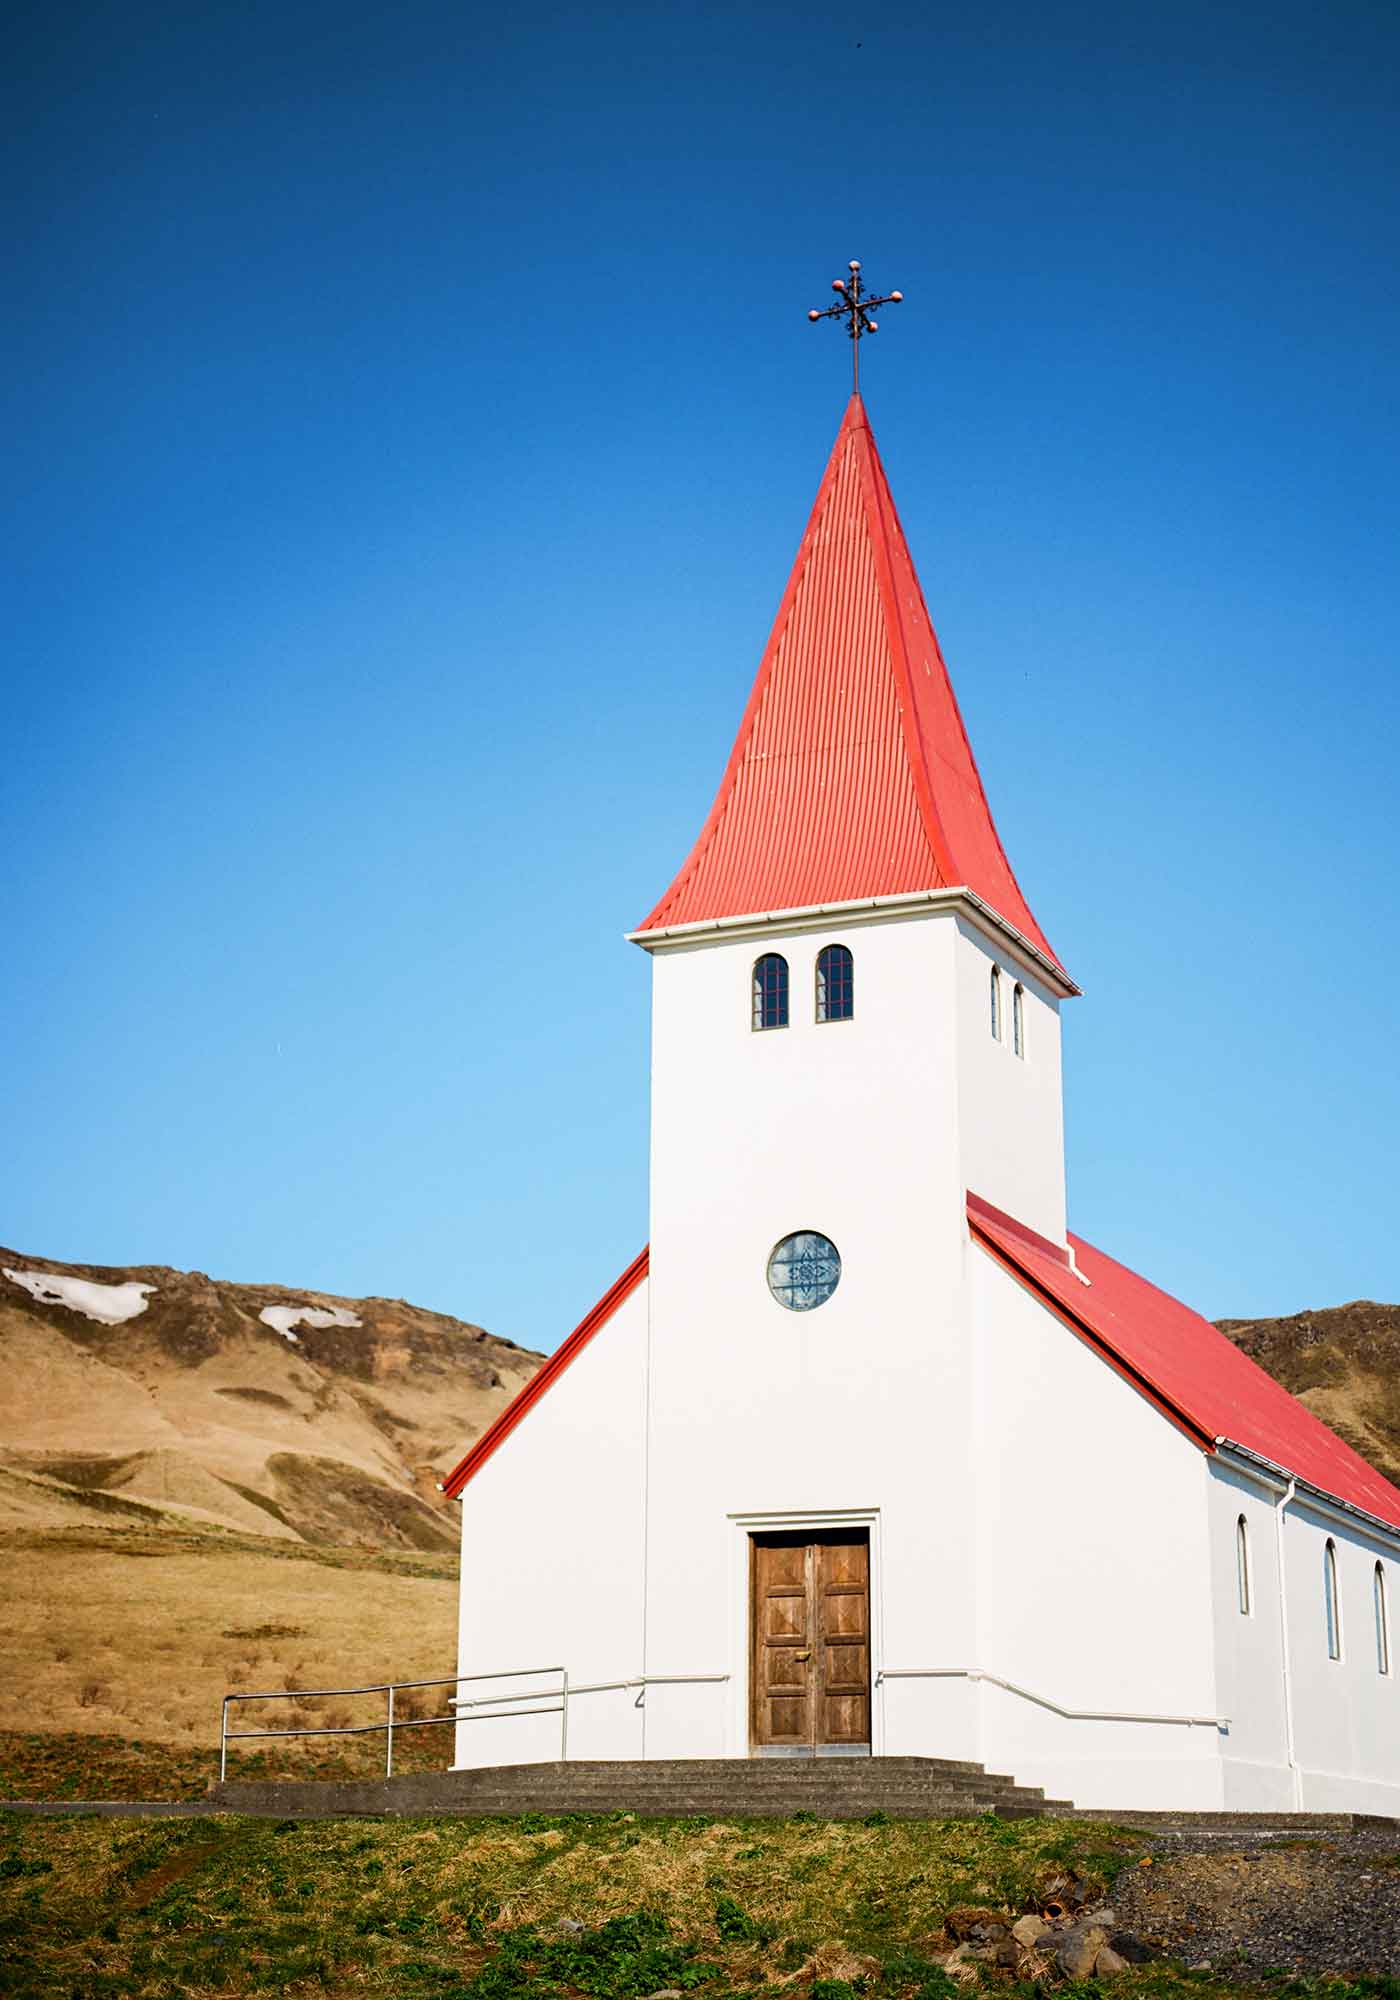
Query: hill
point(151, 1397)
point(1344, 1363)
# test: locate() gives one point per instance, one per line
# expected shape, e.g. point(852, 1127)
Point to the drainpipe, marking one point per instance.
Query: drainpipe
point(1296, 1774)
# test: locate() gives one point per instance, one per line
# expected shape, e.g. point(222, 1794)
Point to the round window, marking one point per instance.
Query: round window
point(804, 1271)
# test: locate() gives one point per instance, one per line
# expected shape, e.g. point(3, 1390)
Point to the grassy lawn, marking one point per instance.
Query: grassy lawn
point(472, 1910)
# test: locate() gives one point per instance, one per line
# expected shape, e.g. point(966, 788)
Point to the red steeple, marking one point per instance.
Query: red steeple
point(852, 776)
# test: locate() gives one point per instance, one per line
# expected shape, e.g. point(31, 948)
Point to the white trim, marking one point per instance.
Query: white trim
point(741, 1611)
point(861, 909)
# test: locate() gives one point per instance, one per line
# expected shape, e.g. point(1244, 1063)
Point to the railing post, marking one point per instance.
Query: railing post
point(564, 1716)
point(389, 1735)
point(223, 1740)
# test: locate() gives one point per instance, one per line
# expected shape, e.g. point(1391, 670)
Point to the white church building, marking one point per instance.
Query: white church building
point(866, 1454)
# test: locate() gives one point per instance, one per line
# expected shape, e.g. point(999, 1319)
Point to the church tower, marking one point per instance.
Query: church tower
point(783, 1491)
point(855, 1021)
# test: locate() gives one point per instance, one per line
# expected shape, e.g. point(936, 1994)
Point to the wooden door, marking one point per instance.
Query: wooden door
point(810, 1666)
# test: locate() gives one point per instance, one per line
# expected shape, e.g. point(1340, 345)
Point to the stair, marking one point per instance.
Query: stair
point(714, 1787)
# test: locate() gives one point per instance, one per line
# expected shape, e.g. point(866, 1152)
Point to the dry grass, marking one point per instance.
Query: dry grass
point(438, 1909)
point(129, 1633)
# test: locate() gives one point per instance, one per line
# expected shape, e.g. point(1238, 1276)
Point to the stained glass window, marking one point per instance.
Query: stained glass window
point(836, 983)
point(770, 991)
point(804, 1271)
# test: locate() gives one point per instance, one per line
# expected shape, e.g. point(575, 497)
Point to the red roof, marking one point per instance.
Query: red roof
point(852, 776)
point(1182, 1363)
point(525, 1399)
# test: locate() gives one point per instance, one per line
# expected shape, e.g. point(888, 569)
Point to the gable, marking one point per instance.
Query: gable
point(1196, 1377)
point(525, 1400)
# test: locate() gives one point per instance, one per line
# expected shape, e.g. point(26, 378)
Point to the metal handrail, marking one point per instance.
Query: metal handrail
point(554, 1702)
point(1043, 1700)
point(387, 1688)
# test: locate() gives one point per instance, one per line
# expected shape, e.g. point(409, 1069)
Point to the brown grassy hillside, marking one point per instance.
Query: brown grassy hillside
point(195, 1410)
point(192, 1502)
point(1344, 1363)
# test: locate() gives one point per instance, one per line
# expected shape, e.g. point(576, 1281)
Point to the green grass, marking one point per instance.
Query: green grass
point(471, 1910)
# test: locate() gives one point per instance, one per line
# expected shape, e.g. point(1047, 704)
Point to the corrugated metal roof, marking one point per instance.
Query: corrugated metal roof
point(852, 775)
point(1183, 1363)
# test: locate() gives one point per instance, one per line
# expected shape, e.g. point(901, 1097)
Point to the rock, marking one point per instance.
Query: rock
point(665, 1993)
point(1077, 1950)
point(1028, 1929)
point(1109, 1961)
point(1132, 1948)
point(568, 1924)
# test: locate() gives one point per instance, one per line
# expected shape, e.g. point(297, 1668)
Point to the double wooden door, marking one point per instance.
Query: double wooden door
point(810, 1667)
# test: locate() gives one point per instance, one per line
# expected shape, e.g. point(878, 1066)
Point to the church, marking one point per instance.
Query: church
point(867, 1454)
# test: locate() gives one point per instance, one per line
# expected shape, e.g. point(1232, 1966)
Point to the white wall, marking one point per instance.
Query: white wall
point(1345, 1739)
point(1010, 1107)
point(1249, 1646)
point(1092, 1529)
point(552, 1529)
point(1346, 1715)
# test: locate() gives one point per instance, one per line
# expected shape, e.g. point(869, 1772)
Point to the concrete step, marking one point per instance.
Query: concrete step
point(698, 1787)
point(747, 1769)
point(844, 1787)
point(554, 1788)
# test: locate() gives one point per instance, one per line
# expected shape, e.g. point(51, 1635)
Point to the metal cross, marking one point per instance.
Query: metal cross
point(855, 308)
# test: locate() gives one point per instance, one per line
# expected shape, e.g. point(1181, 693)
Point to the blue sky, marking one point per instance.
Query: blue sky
point(411, 418)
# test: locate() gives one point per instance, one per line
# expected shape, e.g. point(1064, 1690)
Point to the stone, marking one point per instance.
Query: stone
point(568, 1924)
point(1132, 1948)
point(1109, 1961)
point(1029, 1929)
point(1077, 1950)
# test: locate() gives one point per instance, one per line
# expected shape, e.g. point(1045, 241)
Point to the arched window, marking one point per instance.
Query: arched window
point(836, 983)
point(1018, 1020)
point(1334, 1608)
point(1242, 1563)
point(996, 1003)
point(770, 991)
point(1382, 1622)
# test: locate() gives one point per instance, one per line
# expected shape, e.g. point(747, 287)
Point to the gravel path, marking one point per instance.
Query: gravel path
point(1311, 1905)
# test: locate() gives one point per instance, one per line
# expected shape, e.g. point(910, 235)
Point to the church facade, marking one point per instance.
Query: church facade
point(866, 1454)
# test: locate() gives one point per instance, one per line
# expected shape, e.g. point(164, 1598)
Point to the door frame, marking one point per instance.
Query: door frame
point(813, 1521)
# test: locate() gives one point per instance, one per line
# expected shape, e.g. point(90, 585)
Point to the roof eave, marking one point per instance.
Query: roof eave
point(1254, 1462)
point(864, 909)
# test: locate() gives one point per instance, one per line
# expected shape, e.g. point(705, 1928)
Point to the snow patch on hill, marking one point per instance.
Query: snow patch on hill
point(108, 1304)
point(282, 1319)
